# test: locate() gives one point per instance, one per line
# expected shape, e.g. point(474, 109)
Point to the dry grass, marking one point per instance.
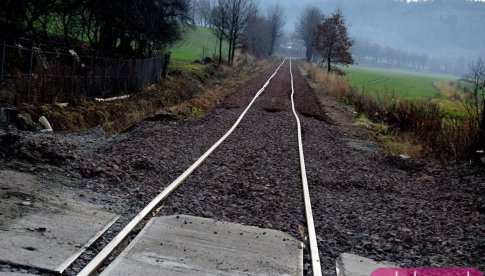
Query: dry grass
point(403, 144)
point(396, 143)
point(332, 84)
point(189, 91)
point(419, 127)
point(197, 106)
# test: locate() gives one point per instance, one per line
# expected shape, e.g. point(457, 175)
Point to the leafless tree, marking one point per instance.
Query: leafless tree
point(255, 37)
point(332, 40)
point(474, 102)
point(276, 23)
point(240, 11)
point(201, 10)
point(307, 27)
point(218, 21)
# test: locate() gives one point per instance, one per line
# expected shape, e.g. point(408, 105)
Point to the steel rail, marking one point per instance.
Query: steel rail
point(312, 237)
point(98, 260)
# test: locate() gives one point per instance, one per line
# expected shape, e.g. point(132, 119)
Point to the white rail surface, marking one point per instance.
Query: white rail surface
point(98, 260)
point(312, 237)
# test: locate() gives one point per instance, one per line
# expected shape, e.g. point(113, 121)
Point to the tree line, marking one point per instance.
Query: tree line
point(242, 24)
point(368, 53)
point(130, 28)
point(138, 28)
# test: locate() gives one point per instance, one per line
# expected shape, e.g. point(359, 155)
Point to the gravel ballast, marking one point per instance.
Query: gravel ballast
point(413, 213)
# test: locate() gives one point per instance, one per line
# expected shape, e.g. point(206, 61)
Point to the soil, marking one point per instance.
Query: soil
point(365, 202)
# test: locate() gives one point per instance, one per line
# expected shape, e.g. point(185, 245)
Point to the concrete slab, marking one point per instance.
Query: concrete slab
point(45, 232)
point(354, 265)
point(187, 245)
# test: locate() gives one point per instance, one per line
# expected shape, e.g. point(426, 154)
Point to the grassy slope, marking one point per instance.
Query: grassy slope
point(402, 83)
point(198, 42)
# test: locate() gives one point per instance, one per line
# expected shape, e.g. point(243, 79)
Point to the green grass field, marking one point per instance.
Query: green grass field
point(401, 83)
point(198, 43)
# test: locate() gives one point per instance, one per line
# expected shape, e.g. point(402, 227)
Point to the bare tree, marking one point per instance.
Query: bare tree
point(205, 10)
point(474, 102)
point(332, 40)
point(307, 28)
point(201, 10)
point(218, 21)
point(276, 23)
point(240, 11)
point(255, 38)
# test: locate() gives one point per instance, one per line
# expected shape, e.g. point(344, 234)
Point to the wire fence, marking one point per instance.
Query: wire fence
point(31, 75)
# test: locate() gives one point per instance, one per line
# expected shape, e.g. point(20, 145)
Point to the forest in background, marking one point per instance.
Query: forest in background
point(448, 34)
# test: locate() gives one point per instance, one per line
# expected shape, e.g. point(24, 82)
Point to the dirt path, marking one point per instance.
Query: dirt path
point(365, 202)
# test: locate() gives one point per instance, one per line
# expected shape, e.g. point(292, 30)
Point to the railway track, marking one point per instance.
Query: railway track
point(151, 208)
point(365, 201)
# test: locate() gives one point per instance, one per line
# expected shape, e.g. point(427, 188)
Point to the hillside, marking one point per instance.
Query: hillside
point(199, 42)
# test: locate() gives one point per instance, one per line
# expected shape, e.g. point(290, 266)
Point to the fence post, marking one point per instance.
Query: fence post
point(30, 71)
point(3, 61)
point(105, 77)
point(91, 79)
point(130, 74)
point(72, 76)
point(118, 81)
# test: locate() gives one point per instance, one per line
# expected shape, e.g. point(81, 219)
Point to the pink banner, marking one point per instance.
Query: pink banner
point(426, 272)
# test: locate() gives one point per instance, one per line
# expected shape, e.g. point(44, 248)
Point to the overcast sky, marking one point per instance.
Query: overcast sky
point(447, 29)
point(293, 8)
